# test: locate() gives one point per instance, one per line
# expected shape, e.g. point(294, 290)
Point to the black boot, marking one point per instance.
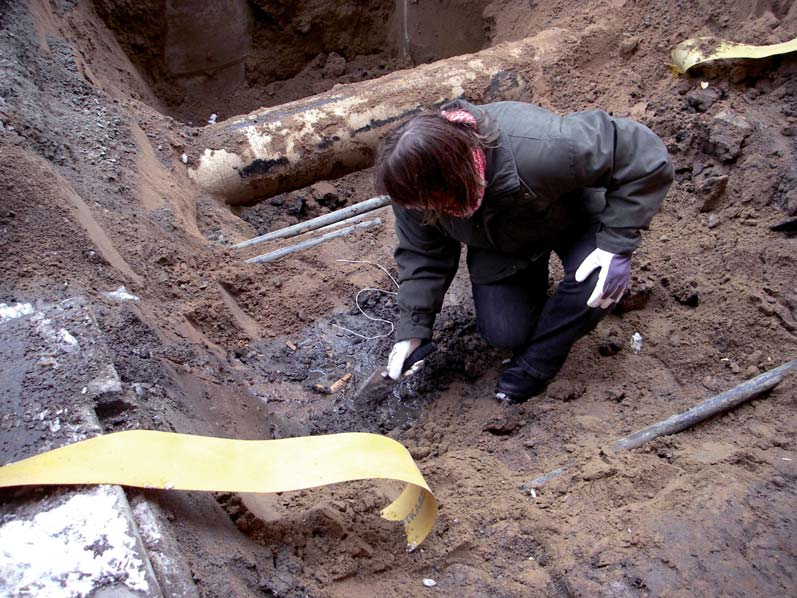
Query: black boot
point(515, 385)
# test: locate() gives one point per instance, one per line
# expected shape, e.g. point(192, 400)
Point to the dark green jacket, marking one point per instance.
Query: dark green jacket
point(544, 174)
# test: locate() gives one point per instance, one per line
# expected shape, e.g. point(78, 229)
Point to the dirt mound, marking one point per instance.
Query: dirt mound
point(96, 195)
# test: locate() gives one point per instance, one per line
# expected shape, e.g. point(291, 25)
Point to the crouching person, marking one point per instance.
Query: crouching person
point(514, 182)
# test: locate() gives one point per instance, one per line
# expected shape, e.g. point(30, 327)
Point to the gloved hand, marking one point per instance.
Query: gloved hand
point(613, 279)
point(401, 350)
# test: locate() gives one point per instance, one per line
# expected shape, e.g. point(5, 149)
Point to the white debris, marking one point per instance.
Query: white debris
point(212, 119)
point(107, 382)
point(533, 493)
point(61, 337)
point(121, 294)
point(429, 583)
point(147, 521)
point(67, 342)
point(184, 158)
point(70, 549)
point(169, 485)
point(55, 425)
point(704, 85)
point(66, 337)
point(11, 312)
point(636, 342)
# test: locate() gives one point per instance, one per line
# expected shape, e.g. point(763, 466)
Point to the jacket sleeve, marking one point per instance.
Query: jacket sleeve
point(630, 162)
point(427, 262)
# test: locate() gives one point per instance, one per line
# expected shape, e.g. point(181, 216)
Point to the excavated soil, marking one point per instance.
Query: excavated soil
point(94, 139)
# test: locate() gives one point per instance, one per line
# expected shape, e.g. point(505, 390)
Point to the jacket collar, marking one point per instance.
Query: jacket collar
point(502, 174)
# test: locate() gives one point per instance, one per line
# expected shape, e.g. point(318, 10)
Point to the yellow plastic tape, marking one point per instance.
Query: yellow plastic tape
point(702, 49)
point(151, 459)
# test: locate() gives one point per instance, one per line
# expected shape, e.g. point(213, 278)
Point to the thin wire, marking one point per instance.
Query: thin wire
point(390, 276)
point(359, 307)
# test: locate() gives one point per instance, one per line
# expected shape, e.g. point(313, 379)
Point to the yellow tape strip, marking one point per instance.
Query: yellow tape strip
point(702, 49)
point(151, 459)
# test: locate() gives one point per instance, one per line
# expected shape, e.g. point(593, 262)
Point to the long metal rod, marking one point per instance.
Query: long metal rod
point(336, 225)
point(275, 255)
point(315, 223)
point(715, 405)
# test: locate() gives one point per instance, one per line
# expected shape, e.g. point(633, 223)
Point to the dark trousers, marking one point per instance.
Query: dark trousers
point(516, 312)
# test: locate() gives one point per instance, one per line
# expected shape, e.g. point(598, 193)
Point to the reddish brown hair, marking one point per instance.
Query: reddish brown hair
point(425, 164)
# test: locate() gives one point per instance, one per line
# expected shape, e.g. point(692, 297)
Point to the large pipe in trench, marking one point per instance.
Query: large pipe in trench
point(278, 149)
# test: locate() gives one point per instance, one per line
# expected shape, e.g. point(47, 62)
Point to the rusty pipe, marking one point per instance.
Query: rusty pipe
point(273, 150)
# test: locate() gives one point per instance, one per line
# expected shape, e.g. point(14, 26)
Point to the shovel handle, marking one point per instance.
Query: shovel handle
point(426, 349)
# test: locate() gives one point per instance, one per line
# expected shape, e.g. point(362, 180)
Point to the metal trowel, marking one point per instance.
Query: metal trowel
point(380, 378)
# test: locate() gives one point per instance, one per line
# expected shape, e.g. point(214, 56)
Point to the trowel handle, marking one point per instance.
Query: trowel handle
point(426, 349)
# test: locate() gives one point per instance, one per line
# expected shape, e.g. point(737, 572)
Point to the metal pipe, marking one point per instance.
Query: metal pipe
point(315, 223)
point(275, 255)
point(351, 220)
point(715, 405)
point(273, 150)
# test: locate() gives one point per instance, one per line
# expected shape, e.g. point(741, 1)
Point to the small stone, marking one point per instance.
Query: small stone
point(505, 425)
point(420, 452)
point(702, 99)
point(686, 294)
point(295, 206)
point(610, 343)
point(184, 158)
point(728, 132)
point(709, 190)
point(326, 195)
point(755, 357)
point(713, 220)
point(629, 46)
point(335, 65)
point(597, 469)
point(635, 297)
point(711, 383)
point(566, 390)
point(751, 372)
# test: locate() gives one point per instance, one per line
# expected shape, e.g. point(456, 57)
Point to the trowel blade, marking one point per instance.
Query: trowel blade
point(375, 380)
point(380, 377)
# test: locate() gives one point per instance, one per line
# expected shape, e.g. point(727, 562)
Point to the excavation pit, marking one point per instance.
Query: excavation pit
point(97, 195)
point(232, 57)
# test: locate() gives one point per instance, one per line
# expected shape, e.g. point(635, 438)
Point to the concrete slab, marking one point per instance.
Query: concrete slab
point(73, 543)
point(63, 541)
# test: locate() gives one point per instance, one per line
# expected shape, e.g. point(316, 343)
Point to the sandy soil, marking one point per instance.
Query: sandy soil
point(95, 195)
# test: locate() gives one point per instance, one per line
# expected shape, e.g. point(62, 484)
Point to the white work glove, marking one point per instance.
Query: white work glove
point(398, 355)
point(613, 279)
